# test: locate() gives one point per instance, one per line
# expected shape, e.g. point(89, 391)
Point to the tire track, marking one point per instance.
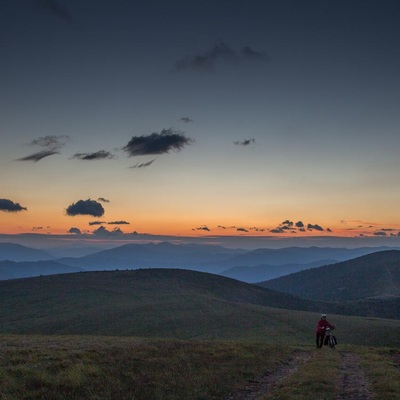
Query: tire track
point(352, 385)
point(264, 384)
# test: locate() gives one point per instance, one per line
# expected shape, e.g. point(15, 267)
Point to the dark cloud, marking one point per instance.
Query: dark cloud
point(38, 156)
point(143, 165)
point(52, 145)
point(103, 200)
point(287, 223)
point(86, 207)
point(7, 205)
point(203, 228)
point(98, 155)
point(207, 61)
point(380, 233)
point(242, 230)
point(37, 228)
point(277, 230)
point(186, 120)
point(54, 7)
point(76, 231)
point(221, 227)
point(244, 142)
point(328, 229)
point(299, 224)
point(254, 228)
point(315, 227)
point(157, 143)
point(104, 232)
point(118, 223)
point(91, 223)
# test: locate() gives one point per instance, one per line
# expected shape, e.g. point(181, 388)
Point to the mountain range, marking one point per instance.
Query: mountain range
point(248, 266)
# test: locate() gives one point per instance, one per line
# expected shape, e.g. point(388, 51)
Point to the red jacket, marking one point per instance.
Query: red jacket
point(322, 325)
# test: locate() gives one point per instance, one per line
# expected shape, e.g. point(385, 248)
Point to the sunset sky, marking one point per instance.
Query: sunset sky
point(200, 119)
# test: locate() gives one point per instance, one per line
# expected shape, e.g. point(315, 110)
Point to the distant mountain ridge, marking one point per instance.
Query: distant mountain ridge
point(27, 269)
point(17, 252)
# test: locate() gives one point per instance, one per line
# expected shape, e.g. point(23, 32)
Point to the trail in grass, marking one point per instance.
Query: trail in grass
point(353, 385)
point(256, 389)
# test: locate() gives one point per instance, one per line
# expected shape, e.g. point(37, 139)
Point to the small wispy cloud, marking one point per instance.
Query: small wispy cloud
point(143, 165)
point(244, 142)
point(7, 205)
point(52, 145)
point(186, 120)
point(75, 231)
point(103, 200)
point(207, 61)
point(98, 155)
point(202, 228)
point(157, 143)
point(118, 223)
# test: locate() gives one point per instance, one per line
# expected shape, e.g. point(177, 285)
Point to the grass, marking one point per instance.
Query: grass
point(382, 368)
point(315, 380)
point(98, 367)
point(39, 367)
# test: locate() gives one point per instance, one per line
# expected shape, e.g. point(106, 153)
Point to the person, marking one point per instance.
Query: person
point(321, 328)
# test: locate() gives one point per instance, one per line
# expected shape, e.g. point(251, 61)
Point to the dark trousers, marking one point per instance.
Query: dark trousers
point(320, 339)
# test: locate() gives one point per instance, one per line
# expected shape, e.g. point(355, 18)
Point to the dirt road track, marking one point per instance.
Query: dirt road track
point(256, 389)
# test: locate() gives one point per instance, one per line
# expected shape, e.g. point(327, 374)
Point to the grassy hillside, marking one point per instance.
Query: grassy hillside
point(166, 303)
point(375, 275)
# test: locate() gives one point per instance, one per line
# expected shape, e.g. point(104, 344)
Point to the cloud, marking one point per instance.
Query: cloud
point(299, 224)
point(186, 120)
point(98, 155)
point(7, 205)
point(76, 231)
point(86, 207)
point(277, 230)
point(103, 200)
point(104, 232)
point(207, 61)
point(316, 227)
point(54, 7)
point(38, 156)
point(157, 143)
point(244, 142)
point(118, 223)
point(52, 145)
point(242, 230)
point(380, 233)
point(51, 141)
point(143, 165)
point(203, 228)
point(97, 223)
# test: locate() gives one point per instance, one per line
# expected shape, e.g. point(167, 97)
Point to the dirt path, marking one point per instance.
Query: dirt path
point(353, 384)
point(256, 389)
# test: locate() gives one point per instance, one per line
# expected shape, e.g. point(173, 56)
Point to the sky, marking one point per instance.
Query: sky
point(214, 121)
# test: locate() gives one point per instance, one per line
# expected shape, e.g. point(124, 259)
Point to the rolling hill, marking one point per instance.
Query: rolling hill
point(170, 303)
point(367, 285)
point(373, 276)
